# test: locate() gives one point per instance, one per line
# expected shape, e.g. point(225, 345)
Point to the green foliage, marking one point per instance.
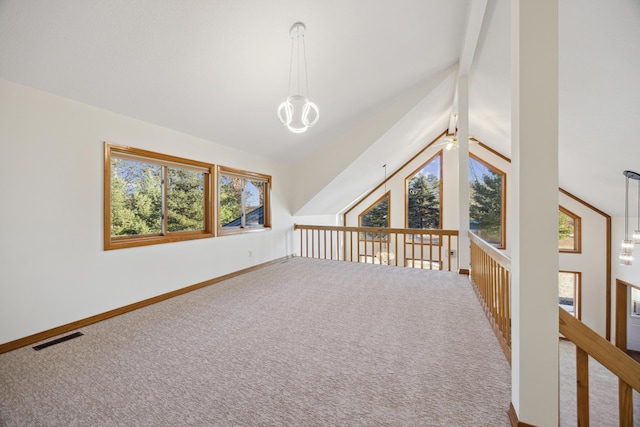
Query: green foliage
point(378, 215)
point(565, 225)
point(185, 200)
point(136, 198)
point(230, 199)
point(485, 207)
point(423, 204)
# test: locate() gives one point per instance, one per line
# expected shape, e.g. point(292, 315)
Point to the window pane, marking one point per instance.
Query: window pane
point(230, 201)
point(376, 216)
point(136, 198)
point(185, 200)
point(423, 197)
point(254, 202)
point(635, 302)
point(485, 202)
point(567, 291)
point(566, 231)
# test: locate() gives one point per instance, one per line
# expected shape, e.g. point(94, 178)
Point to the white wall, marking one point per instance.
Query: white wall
point(630, 273)
point(591, 262)
point(53, 269)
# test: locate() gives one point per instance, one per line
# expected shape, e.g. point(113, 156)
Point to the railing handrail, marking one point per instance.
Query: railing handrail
point(587, 341)
point(499, 256)
point(435, 232)
point(431, 249)
point(610, 356)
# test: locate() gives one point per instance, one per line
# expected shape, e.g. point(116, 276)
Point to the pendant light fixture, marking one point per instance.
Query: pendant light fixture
point(298, 113)
point(626, 248)
point(636, 233)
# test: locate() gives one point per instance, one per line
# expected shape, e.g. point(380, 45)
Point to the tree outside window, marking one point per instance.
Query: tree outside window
point(486, 201)
point(243, 200)
point(568, 231)
point(154, 198)
point(423, 196)
point(376, 216)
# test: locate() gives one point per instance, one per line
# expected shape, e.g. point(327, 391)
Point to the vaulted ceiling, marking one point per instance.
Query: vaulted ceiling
point(382, 73)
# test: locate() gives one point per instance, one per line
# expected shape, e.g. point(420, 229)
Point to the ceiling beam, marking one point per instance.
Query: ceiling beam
point(475, 18)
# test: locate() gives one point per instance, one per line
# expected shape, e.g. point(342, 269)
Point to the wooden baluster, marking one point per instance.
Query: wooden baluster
point(301, 238)
point(365, 249)
point(344, 244)
point(331, 244)
point(324, 240)
point(582, 383)
point(508, 298)
point(625, 404)
point(396, 237)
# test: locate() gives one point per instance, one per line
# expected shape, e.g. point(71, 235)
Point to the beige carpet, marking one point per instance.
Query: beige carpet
point(300, 343)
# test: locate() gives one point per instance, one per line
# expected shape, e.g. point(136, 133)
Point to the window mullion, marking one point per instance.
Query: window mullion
point(163, 204)
point(243, 201)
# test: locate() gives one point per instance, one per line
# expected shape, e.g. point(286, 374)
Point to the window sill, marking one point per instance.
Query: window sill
point(132, 242)
point(239, 230)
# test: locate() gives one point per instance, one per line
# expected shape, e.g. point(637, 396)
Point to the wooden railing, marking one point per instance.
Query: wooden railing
point(491, 279)
point(589, 343)
point(425, 249)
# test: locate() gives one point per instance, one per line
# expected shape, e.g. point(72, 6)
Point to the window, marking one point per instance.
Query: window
point(569, 292)
point(568, 231)
point(153, 198)
point(244, 203)
point(376, 215)
point(487, 191)
point(424, 195)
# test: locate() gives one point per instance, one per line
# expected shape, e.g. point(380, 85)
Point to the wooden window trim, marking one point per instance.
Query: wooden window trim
point(503, 207)
point(239, 173)
point(578, 293)
point(374, 204)
point(577, 232)
point(406, 189)
point(121, 242)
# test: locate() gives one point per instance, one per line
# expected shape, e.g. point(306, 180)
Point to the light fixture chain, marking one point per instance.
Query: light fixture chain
point(298, 46)
point(626, 209)
point(385, 178)
point(297, 112)
point(290, 65)
point(306, 73)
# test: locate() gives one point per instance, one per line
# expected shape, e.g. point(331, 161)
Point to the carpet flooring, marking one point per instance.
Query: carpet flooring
point(299, 343)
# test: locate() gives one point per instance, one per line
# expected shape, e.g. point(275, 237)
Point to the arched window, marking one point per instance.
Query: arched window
point(424, 195)
point(487, 192)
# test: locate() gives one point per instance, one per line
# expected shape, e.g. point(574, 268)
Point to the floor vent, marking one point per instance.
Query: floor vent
point(58, 341)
